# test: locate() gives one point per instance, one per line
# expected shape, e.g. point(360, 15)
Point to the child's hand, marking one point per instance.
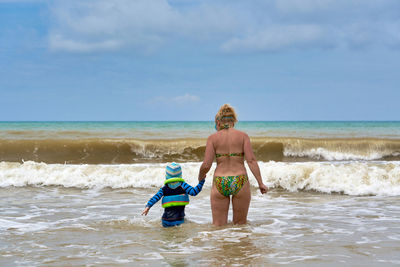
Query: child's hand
point(145, 211)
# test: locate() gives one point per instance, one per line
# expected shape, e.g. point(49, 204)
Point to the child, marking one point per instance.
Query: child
point(175, 196)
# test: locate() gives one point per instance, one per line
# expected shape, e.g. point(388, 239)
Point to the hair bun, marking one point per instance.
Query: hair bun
point(226, 113)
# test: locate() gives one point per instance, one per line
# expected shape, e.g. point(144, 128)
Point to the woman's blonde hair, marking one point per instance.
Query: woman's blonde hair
point(226, 114)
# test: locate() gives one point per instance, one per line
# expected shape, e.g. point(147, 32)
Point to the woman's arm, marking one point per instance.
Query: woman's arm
point(253, 165)
point(208, 159)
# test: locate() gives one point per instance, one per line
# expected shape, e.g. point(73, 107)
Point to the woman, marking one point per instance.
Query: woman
point(230, 147)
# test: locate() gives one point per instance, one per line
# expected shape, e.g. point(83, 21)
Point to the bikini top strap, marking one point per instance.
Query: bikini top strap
point(230, 155)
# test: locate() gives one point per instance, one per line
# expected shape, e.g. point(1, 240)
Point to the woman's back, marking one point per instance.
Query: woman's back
point(229, 151)
point(230, 147)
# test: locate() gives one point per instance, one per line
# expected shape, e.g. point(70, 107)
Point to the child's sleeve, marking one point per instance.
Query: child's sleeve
point(193, 191)
point(155, 198)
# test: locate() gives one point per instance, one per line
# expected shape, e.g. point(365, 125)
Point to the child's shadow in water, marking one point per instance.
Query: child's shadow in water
point(177, 247)
point(205, 244)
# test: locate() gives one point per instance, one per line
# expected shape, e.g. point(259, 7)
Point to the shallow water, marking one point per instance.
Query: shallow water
point(58, 226)
point(72, 194)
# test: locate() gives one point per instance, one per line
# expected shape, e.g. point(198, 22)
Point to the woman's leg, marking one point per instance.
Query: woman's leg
point(219, 207)
point(241, 203)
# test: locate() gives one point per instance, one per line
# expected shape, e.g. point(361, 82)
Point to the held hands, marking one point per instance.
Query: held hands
point(263, 188)
point(202, 178)
point(145, 211)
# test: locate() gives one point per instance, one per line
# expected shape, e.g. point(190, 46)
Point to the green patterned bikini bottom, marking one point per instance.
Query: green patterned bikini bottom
point(230, 185)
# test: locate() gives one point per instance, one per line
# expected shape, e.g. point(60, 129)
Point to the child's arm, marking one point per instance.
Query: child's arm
point(193, 191)
point(153, 201)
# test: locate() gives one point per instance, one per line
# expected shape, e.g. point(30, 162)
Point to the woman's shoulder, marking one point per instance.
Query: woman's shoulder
point(238, 132)
point(212, 136)
point(233, 130)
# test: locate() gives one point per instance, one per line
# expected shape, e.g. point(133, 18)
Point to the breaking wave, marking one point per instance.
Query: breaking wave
point(351, 178)
point(118, 151)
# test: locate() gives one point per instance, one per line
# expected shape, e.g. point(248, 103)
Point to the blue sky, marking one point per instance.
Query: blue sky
point(182, 59)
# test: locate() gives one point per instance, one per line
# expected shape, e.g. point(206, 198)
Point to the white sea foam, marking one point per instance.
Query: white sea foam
point(31, 173)
point(332, 155)
point(352, 178)
point(23, 227)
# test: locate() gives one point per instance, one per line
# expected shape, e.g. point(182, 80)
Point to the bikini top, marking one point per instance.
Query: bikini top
point(230, 155)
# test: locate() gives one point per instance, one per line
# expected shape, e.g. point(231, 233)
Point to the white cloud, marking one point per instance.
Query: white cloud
point(58, 42)
point(84, 25)
point(187, 98)
point(182, 99)
point(276, 37)
point(23, 1)
point(252, 25)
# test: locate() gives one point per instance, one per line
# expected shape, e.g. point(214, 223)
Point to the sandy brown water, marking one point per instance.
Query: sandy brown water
point(58, 226)
point(71, 194)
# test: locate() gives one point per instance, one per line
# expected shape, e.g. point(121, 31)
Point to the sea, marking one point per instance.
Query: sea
point(72, 194)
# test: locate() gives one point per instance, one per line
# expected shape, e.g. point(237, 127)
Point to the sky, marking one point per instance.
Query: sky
point(180, 60)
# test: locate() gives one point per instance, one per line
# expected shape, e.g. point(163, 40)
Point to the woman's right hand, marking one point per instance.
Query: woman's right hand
point(263, 188)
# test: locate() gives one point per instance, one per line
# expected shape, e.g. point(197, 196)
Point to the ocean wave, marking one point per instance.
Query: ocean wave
point(351, 178)
point(102, 151)
point(342, 149)
point(117, 151)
